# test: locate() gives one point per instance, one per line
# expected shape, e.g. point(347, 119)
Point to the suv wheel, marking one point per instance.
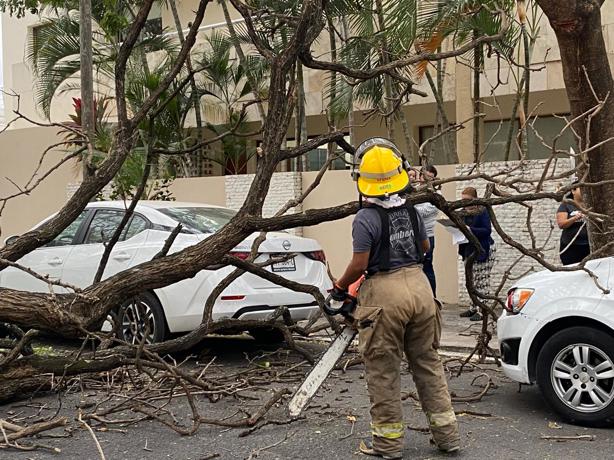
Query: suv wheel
point(142, 315)
point(575, 373)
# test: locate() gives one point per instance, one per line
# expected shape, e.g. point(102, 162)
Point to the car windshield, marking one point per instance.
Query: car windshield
point(201, 220)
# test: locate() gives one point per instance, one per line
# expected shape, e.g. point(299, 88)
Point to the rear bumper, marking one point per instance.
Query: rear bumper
point(298, 312)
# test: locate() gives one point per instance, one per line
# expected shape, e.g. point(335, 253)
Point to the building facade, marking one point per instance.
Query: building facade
point(548, 106)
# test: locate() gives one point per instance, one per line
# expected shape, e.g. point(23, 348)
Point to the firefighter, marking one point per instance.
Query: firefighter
point(395, 303)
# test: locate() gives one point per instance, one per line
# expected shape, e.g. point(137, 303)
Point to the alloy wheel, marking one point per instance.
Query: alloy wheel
point(138, 322)
point(583, 377)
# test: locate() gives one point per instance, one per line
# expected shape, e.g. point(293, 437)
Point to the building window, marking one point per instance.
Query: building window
point(316, 158)
point(153, 25)
point(495, 135)
point(434, 150)
point(543, 131)
point(38, 39)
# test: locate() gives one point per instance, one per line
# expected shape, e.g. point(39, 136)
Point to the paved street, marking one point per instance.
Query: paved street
point(504, 424)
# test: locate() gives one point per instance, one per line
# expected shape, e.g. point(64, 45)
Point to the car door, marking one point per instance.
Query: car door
point(46, 260)
point(84, 259)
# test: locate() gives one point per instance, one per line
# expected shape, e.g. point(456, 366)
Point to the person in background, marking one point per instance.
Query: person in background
point(574, 237)
point(428, 212)
point(478, 221)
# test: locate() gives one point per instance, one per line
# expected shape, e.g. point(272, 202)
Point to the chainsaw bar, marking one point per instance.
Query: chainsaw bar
point(320, 371)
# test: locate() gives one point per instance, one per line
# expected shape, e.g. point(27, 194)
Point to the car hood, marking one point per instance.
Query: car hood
point(547, 276)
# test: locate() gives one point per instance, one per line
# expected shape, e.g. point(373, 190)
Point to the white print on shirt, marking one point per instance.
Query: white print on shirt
point(401, 232)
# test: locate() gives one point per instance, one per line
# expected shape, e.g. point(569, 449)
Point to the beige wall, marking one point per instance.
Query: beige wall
point(446, 254)
point(210, 190)
point(18, 77)
point(336, 237)
point(335, 189)
point(21, 150)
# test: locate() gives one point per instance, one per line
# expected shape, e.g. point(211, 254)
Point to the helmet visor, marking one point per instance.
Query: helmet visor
point(368, 144)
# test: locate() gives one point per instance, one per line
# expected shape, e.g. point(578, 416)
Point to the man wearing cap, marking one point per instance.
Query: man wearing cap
point(389, 243)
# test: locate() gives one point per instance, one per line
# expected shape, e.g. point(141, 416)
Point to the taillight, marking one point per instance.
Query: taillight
point(517, 298)
point(232, 297)
point(317, 255)
point(240, 255)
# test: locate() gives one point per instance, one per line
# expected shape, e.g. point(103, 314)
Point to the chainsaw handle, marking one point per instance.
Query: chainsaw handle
point(347, 307)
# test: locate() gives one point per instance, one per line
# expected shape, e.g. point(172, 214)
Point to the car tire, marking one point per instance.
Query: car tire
point(267, 335)
point(575, 373)
point(135, 315)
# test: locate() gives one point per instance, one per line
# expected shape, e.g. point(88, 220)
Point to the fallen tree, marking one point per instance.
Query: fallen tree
point(79, 313)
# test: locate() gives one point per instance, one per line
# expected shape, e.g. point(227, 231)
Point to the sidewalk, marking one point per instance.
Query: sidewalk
point(459, 334)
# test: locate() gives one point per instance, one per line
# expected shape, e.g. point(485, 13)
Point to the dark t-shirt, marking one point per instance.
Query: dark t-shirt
point(569, 233)
point(367, 232)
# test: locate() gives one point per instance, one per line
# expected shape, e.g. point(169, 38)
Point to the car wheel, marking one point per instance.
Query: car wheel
point(268, 335)
point(575, 373)
point(141, 317)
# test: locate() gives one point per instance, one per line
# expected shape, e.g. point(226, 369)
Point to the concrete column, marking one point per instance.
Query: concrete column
point(464, 111)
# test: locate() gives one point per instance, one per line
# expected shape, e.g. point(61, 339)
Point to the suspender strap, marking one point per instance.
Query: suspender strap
point(384, 248)
point(414, 225)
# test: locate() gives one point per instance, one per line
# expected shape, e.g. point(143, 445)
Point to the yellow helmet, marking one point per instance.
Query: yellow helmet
point(381, 170)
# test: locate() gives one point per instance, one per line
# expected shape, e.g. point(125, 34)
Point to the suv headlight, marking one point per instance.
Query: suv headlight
point(517, 298)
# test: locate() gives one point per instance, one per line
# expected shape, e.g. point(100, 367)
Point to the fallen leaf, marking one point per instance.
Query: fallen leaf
point(351, 418)
point(554, 426)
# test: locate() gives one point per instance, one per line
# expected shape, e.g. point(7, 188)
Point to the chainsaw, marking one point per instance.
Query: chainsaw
point(327, 362)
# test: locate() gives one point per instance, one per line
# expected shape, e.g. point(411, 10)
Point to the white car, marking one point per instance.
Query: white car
point(558, 331)
point(73, 257)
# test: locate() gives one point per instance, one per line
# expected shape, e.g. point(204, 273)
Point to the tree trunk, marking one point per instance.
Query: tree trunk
point(194, 96)
point(407, 137)
point(388, 102)
point(351, 120)
point(476, 100)
point(449, 154)
point(577, 25)
point(300, 119)
point(87, 79)
point(330, 148)
point(234, 38)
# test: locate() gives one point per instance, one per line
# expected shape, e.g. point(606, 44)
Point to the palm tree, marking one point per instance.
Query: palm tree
point(384, 30)
point(224, 84)
point(54, 55)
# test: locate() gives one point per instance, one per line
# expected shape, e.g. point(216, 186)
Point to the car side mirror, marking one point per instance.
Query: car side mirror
point(11, 239)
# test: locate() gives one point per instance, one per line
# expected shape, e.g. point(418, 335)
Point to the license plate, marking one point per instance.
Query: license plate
point(285, 266)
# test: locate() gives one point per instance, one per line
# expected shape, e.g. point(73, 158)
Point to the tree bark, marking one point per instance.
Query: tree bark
point(388, 102)
point(87, 81)
point(232, 33)
point(578, 29)
point(194, 89)
point(477, 64)
point(300, 118)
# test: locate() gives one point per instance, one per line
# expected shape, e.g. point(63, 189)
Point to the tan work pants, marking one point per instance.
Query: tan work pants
point(406, 318)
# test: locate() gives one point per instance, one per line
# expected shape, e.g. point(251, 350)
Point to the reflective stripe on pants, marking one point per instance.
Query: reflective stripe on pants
point(388, 430)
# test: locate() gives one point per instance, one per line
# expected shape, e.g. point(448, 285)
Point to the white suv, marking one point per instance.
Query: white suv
point(558, 331)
